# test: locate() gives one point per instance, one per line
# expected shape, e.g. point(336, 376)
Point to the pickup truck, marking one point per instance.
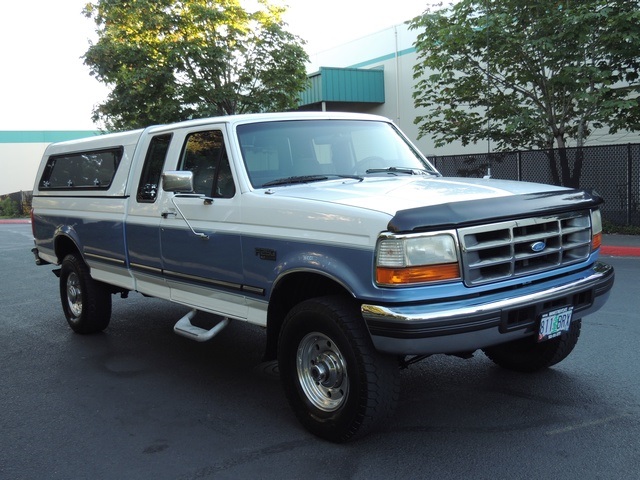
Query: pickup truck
point(333, 233)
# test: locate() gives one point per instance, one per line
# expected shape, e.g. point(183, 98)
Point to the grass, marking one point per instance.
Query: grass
point(611, 228)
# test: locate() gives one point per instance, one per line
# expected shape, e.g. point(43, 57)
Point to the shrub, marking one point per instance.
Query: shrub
point(9, 208)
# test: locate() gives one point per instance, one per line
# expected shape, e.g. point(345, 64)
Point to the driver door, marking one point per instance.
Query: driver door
point(200, 245)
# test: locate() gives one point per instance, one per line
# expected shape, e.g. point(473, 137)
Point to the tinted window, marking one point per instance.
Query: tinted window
point(81, 170)
point(205, 155)
point(152, 169)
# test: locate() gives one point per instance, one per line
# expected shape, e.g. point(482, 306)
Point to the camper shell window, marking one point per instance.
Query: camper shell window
point(90, 170)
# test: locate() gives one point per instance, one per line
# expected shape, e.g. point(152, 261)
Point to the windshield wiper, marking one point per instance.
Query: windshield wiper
point(401, 170)
point(307, 179)
point(295, 179)
point(354, 177)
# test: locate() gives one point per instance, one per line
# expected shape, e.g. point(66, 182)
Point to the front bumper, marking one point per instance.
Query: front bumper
point(455, 327)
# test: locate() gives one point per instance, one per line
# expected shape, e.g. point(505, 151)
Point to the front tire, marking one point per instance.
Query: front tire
point(338, 385)
point(86, 303)
point(527, 355)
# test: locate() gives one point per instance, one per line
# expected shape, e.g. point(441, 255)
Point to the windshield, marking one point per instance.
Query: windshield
point(287, 152)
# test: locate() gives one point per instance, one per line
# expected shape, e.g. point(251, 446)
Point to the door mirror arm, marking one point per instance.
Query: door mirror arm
point(203, 236)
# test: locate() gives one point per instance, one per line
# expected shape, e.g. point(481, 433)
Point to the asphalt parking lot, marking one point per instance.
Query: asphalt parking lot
point(137, 401)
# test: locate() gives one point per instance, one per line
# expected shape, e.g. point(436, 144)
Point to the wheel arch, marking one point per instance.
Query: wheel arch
point(291, 289)
point(64, 244)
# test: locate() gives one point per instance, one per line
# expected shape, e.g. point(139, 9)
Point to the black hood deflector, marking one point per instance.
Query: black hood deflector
point(491, 210)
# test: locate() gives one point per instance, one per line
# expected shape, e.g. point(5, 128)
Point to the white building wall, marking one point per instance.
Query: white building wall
point(393, 49)
point(18, 165)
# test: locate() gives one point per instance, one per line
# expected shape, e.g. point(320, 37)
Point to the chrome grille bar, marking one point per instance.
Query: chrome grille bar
point(516, 248)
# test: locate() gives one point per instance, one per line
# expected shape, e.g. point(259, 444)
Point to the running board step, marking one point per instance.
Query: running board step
point(185, 328)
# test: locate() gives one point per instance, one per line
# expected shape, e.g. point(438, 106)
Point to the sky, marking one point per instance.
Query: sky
point(45, 86)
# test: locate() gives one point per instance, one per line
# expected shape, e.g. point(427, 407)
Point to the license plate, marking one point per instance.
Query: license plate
point(553, 323)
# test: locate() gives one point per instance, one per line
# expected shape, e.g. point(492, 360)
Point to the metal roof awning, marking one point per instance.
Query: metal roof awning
point(344, 85)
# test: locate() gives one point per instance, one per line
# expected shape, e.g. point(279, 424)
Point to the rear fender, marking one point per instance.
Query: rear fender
point(66, 241)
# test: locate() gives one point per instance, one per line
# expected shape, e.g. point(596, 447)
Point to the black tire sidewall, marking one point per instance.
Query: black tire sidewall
point(341, 424)
point(96, 300)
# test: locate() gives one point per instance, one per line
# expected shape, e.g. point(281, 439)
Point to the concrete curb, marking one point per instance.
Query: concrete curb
point(617, 251)
point(14, 220)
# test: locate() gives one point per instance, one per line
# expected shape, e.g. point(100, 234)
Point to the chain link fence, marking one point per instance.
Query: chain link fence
point(613, 171)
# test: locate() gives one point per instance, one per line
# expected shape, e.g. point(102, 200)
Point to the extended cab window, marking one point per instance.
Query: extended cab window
point(81, 170)
point(205, 155)
point(153, 164)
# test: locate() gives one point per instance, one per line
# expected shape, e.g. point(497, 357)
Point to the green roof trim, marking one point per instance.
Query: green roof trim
point(353, 85)
point(384, 58)
point(44, 136)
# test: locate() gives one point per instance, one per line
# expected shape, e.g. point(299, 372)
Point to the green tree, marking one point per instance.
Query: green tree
point(9, 208)
point(170, 60)
point(525, 74)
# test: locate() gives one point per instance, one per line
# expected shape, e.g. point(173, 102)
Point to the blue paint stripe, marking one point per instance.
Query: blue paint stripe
point(44, 136)
point(383, 58)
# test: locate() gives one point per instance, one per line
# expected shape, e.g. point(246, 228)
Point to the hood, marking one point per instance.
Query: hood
point(392, 194)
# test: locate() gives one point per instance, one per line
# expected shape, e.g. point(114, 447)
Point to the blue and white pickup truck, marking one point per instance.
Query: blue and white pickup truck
point(333, 233)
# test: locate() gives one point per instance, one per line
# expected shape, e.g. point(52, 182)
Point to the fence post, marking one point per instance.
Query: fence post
point(629, 185)
point(519, 165)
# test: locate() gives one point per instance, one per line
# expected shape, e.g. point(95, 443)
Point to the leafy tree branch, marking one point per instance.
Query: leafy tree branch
point(170, 60)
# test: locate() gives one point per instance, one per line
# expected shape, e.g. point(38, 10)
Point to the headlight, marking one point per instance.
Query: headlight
point(596, 229)
point(416, 259)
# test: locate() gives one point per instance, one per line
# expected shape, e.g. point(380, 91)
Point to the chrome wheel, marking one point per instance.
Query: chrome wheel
point(74, 295)
point(322, 372)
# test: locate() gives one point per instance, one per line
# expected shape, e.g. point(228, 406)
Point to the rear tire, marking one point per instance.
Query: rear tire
point(337, 384)
point(86, 303)
point(527, 355)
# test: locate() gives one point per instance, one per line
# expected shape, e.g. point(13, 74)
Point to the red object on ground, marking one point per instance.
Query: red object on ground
point(620, 251)
point(15, 220)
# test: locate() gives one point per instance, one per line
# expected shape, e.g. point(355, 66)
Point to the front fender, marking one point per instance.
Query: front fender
point(350, 268)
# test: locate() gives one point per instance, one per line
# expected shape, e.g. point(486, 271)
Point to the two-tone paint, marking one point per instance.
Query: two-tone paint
point(252, 242)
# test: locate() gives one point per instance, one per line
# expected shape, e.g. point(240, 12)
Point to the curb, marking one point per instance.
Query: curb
point(613, 251)
point(14, 220)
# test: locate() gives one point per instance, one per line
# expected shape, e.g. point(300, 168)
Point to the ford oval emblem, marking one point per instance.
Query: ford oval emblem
point(538, 246)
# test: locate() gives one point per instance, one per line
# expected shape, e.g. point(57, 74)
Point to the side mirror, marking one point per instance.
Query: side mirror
point(177, 181)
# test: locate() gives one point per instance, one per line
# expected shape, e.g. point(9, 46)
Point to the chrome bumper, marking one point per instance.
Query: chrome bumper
point(451, 328)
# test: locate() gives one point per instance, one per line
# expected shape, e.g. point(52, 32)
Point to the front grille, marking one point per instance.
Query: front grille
point(516, 248)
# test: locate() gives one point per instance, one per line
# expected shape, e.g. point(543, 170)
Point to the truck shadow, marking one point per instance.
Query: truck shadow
point(442, 394)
